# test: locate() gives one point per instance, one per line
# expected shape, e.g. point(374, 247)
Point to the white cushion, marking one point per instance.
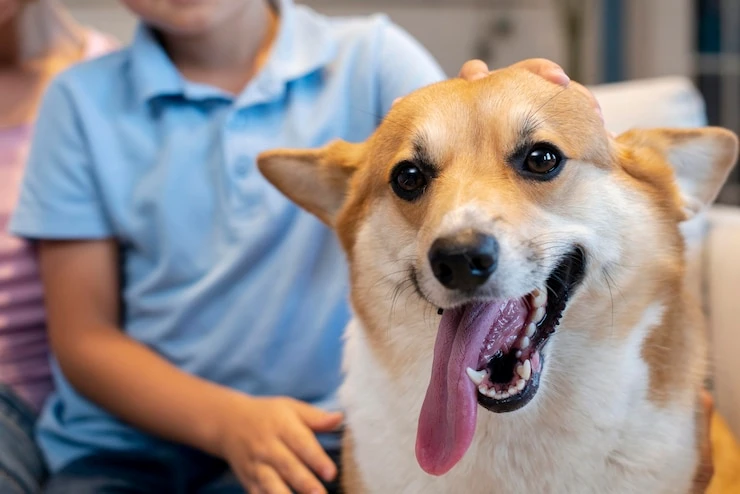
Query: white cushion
point(659, 102)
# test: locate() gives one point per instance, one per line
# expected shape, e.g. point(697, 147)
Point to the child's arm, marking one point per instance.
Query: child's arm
point(268, 442)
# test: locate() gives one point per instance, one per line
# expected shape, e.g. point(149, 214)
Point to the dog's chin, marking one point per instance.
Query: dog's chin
point(511, 358)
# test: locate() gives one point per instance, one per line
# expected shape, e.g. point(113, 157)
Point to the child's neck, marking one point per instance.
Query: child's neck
point(229, 56)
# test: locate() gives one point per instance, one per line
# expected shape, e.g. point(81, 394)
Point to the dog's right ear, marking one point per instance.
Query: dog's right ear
point(315, 179)
point(701, 160)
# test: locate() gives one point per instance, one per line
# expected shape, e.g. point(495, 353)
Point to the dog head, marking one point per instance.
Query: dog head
point(492, 209)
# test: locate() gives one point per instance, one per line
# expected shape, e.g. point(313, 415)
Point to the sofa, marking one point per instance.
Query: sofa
point(713, 240)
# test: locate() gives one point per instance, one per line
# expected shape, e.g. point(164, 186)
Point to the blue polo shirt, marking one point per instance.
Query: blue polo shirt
point(222, 276)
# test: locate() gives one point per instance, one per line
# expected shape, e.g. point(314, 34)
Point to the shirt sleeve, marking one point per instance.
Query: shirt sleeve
point(59, 198)
point(404, 65)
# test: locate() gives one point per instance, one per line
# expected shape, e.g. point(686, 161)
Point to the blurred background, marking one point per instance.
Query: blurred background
point(597, 41)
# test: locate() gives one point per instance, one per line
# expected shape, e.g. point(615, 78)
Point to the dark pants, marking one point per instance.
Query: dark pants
point(22, 469)
point(165, 470)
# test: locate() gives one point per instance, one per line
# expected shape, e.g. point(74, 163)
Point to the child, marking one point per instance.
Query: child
point(37, 40)
point(195, 314)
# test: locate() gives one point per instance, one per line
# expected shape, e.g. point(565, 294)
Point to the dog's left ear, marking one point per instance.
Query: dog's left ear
point(315, 179)
point(701, 160)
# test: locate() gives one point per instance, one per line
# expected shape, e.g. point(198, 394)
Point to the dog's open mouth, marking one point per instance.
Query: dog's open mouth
point(489, 353)
point(510, 363)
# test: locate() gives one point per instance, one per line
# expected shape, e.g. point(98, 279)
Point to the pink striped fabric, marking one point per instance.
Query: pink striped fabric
point(24, 361)
point(24, 356)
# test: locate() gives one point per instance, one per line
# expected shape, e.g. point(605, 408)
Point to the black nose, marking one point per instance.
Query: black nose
point(465, 260)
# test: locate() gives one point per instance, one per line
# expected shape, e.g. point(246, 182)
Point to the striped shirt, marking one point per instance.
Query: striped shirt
point(24, 355)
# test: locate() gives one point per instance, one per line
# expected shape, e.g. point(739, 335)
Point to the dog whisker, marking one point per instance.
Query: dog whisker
point(609, 281)
point(547, 102)
point(394, 299)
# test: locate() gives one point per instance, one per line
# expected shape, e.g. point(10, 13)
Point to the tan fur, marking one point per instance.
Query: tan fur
point(704, 469)
point(351, 480)
point(616, 406)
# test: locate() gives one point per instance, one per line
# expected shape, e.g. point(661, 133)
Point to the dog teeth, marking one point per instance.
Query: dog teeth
point(524, 370)
point(539, 314)
point(484, 390)
point(490, 392)
point(524, 343)
point(531, 328)
point(540, 297)
point(513, 389)
point(518, 354)
point(476, 376)
point(502, 391)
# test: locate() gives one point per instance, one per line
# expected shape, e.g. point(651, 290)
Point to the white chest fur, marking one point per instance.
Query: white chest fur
point(588, 430)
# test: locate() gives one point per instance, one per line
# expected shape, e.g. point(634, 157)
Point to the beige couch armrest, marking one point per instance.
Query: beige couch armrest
point(722, 281)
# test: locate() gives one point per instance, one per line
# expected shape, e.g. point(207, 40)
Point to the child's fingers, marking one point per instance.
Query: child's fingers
point(555, 73)
point(317, 419)
point(545, 68)
point(473, 70)
point(265, 480)
point(307, 448)
point(295, 472)
point(477, 69)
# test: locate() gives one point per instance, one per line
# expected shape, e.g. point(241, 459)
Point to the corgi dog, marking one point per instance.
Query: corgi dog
point(522, 322)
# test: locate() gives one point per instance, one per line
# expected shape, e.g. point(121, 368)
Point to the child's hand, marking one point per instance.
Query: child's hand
point(473, 70)
point(270, 444)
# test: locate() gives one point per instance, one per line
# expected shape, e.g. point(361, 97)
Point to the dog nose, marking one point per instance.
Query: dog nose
point(465, 260)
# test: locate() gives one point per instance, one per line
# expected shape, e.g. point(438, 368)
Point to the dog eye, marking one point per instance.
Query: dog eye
point(542, 159)
point(408, 181)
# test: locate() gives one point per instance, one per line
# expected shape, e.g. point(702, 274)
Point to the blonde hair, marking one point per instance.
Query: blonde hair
point(45, 26)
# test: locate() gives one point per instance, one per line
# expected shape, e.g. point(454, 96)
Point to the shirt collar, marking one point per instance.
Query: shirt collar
point(153, 73)
point(303, 45)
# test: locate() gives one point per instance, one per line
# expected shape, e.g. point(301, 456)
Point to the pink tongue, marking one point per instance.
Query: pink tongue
point(448, 415)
